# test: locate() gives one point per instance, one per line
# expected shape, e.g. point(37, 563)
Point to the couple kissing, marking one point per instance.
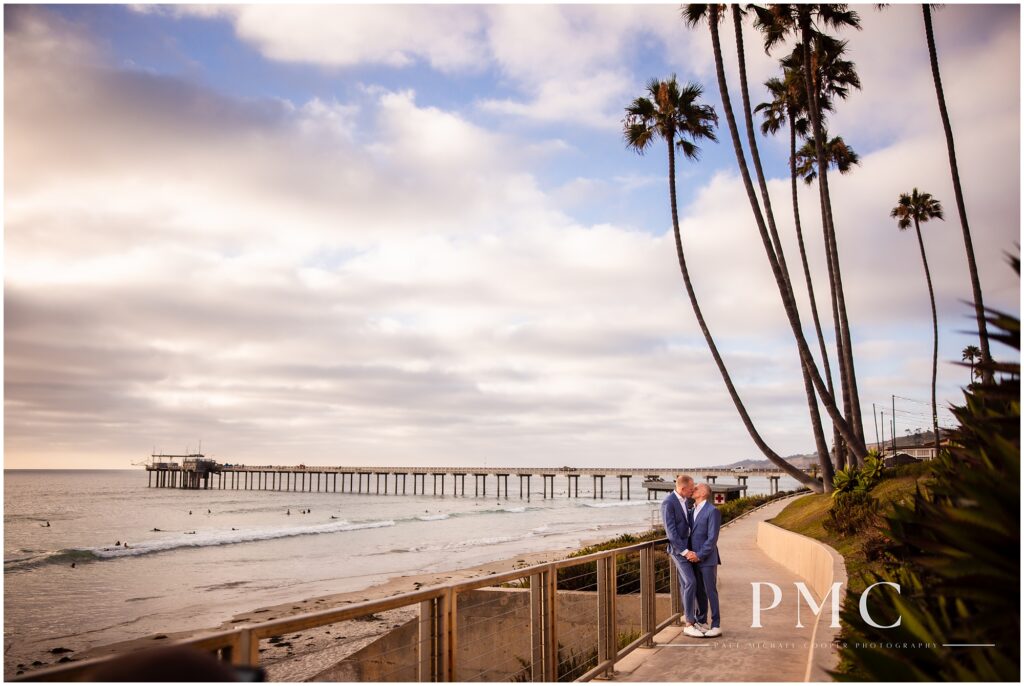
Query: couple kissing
point(692, 523)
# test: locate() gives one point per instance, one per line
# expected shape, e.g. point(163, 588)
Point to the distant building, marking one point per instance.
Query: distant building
point(920, 445)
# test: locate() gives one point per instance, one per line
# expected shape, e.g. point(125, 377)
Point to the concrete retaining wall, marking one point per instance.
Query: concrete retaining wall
point(819, 566)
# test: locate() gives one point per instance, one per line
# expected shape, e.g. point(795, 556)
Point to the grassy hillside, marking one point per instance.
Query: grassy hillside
point(861, 551)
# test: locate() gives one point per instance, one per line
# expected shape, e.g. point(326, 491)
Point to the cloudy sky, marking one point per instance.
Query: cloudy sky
point(413, 235)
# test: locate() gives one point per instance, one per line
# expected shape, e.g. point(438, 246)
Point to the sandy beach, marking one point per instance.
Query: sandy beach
point(68, 598)
point(303, 655)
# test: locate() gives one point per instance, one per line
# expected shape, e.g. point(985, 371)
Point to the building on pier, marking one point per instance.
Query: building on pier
point(192, 471)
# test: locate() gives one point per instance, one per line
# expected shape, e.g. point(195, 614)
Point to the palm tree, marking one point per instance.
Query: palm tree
point(838, 153)
point(970, 354)
point(979, 305)
point(920, 207)
point(788, 106)
point(833, 74)
point(676, 116)
point(785, 285)
point(833, 77)
point(695, 14)
point(817, 54)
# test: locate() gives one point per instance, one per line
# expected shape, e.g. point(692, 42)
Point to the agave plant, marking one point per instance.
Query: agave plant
point(872, 469)
point(844, 480)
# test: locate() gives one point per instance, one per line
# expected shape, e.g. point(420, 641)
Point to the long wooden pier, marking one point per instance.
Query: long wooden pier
point(196, 472)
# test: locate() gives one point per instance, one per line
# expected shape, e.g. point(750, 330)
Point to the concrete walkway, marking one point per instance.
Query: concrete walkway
point(777, 652)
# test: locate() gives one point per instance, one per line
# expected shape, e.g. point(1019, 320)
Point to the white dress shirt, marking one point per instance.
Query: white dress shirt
point(682, 501)
point(697, 509)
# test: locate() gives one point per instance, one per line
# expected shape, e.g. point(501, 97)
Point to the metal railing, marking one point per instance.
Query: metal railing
point(440, 637)
point(445, 634)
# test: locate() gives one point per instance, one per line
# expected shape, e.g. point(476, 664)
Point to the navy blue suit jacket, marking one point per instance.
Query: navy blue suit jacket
point(704, 535)
point(677, 526)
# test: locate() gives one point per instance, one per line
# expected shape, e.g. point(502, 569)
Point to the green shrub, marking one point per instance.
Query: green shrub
point(734, 508)
point(583, 577)
point(955, 551)
point(851, 512)
point(843, 481)
point(853, 480)
point(872, 470)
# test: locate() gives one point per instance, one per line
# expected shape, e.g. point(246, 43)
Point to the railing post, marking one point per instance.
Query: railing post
point(550, 624)
point(607, 636)
point(435, 639)
point(450, 614)
point(247, 653)
point(675, 595)
point(647, 598)
point(537, 627)
point(427, 642)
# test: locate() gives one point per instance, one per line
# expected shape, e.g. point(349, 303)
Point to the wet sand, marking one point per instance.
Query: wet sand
point(301, 656)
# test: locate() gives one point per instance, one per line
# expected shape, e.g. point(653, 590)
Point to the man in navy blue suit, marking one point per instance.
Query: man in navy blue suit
point(706, 522)
point(677, 515)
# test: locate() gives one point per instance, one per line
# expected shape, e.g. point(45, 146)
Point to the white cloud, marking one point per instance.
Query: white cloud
point(447, 38)
point(388, 281)
point(561, 63)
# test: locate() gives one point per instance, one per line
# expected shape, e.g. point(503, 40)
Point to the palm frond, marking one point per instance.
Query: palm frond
point(838, 16)
point(689, 149)
point(695, 14)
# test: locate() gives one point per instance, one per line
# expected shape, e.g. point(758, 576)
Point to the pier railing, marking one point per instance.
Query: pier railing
point(211, 475)
point(568, 620)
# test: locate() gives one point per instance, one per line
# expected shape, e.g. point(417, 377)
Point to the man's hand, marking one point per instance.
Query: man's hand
point(692, 556)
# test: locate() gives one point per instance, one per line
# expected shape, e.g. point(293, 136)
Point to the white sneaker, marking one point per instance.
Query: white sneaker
point(713, 632)
point(693, 631)
point(703, 626)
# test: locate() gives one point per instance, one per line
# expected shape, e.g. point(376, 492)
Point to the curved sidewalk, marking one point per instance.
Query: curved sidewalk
point(777, 652)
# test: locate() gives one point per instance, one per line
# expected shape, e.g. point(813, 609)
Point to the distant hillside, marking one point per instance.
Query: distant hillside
point(799, 461)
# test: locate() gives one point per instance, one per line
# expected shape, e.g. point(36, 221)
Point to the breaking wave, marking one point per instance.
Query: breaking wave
point(201, 539)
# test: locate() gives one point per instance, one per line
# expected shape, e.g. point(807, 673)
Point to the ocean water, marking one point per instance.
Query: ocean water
point(239, 550)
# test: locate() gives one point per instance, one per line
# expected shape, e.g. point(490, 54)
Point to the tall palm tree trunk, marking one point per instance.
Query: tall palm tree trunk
point(935, 334)
point(837, 440)
point(791, 314)
point(846, 362)
point(748, 120)
point(774, 457)
point(844, 377)
point(821, 446)
point(979, 305)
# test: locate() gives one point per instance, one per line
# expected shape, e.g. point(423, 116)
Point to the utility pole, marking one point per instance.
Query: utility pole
point(894, 427)
point(874, 411)
point(881, 446)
